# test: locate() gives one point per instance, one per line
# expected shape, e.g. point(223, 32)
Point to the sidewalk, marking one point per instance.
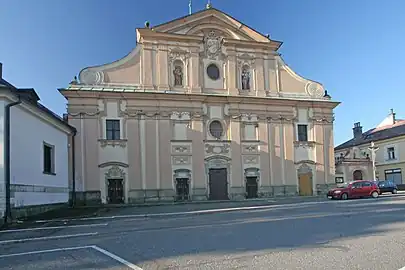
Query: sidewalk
point(161, 209)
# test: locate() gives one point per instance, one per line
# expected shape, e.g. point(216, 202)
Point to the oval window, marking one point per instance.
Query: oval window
point(213, 72)
point(216, 129)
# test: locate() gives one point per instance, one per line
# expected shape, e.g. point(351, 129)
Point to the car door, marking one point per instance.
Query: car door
point(366, 188)
point(356, 190)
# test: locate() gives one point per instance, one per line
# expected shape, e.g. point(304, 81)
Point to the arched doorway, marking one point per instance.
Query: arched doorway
point(357, 175)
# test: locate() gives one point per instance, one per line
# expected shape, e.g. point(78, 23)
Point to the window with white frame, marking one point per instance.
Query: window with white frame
point(113, 129)
point(391, 153)
point(302, 132)
point(48, 158)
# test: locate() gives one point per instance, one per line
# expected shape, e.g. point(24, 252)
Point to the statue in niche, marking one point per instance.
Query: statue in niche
point(245, 79)
point(178, 76)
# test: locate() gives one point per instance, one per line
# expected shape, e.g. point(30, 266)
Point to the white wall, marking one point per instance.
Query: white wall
point(28, 133)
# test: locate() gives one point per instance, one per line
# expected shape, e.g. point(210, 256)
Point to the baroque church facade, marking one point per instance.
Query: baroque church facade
point(203, 108)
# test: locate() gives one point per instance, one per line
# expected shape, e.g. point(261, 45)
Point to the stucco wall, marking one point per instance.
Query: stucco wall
point(29, 185)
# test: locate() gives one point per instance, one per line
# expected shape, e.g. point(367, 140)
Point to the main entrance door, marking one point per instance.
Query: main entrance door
point(251, 187)
point(305, 184)
point(218, 184)
point(182, 189)
point(115, 191)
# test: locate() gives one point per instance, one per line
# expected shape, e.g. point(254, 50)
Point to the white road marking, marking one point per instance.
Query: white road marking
point(55, 227)
point(208, 211)
point(47, 238)
point(43, 251)
point(115, 257)
point(403, 268)
point(103, 251)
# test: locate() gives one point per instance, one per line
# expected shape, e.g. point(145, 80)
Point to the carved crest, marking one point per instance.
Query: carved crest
point(213, 44)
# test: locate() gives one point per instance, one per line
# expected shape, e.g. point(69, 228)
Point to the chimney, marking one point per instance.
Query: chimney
point(357, 130)
point(392, 115)
point(1, 70)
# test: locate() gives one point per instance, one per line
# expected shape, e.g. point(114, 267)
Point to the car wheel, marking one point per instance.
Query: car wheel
point(344, 196)
point(374, 194)
point(394, 191)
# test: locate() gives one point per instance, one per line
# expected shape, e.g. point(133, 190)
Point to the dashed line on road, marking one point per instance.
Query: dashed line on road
point(103, 251)
point(55, 227)
point(47, 238)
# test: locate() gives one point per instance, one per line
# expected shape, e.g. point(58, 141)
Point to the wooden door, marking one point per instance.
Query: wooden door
point(218, 184)
point(305, 184)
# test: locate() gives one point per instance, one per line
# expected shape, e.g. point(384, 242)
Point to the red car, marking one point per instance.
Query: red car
point(355, 189)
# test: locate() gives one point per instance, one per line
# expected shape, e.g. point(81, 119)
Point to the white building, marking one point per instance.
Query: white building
point(38, 152)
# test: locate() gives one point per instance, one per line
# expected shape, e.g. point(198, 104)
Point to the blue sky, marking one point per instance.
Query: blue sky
point(355, 48)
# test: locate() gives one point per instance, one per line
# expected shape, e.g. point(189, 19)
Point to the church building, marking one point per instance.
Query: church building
point(203, 108)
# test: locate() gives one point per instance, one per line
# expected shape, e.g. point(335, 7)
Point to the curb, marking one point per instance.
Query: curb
point(185, 213)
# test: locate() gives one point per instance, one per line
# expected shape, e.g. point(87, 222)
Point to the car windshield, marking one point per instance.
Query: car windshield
point(343, 185)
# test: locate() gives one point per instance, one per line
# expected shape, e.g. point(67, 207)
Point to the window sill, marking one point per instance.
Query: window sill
point(49, 173)
point(113, 143)
point(304, 143)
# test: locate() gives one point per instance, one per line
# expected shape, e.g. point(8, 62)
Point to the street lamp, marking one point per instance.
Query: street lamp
point(373, 149)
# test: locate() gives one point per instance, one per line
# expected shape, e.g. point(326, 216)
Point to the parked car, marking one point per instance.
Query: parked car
point(355, 189)
point(387, 186)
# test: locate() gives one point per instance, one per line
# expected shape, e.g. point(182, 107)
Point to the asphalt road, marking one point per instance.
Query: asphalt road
point(354, 234)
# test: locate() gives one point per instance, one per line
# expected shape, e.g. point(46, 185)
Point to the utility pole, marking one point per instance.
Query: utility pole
point(373, 149)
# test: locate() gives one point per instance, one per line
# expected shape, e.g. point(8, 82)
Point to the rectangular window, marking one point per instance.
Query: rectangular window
point(394, 176)
point(49, 156)
point(302, 133)
point(391, 153)
point(113, 129)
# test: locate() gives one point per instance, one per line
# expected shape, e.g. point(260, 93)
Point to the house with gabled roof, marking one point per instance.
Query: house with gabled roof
point(34, 161)
point(353, 158)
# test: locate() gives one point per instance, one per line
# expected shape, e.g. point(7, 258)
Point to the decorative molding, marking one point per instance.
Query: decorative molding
point(251, 148)
point(92, 76)
point(181, 160)
point(245, 59)
point(115, 172)
point(252, 172)
point(304, 169)
point(315, 90)
point(217, 149)
point(181, 149)
point(305, 162)
point(249, 159)
point(80, 113)
point(113, 163)
point(113, 143)
point(179, 54)
point(307, 144)
point(213, 45)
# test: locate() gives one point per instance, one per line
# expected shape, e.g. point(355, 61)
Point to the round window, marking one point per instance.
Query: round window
point(216, 129)
point(213, 72)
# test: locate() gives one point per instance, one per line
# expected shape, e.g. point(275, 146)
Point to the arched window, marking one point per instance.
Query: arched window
point(245, 77)
point(216, 129)
point(178, 75)
point(357, 175)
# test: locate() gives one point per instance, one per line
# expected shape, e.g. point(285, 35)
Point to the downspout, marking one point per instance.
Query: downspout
point(7, 215)
point(73, 170)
